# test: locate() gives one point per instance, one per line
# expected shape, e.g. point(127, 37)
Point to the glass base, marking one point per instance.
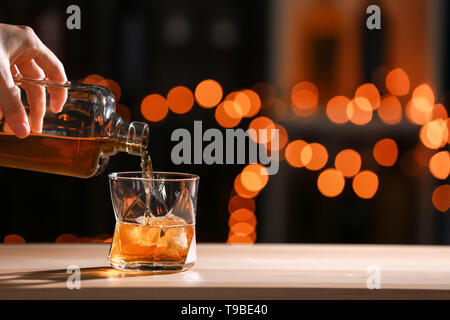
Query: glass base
point(154, 267)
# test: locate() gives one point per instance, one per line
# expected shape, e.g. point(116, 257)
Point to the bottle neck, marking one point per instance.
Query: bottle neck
point(130, 137)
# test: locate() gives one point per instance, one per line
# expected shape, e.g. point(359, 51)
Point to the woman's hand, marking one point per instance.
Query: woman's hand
point(22, 52)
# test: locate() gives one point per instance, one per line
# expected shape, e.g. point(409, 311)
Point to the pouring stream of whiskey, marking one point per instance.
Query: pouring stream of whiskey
point(146, 165)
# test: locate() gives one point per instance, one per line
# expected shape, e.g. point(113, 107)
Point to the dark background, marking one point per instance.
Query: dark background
point(131, 42)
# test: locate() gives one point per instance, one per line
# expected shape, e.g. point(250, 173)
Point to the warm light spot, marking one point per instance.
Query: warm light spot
point(261, 123)
point(439, 112)
point(242, 215)
point(208, 93)
point(13, 238)
point(367, 97)
point(93, 79)
point(235, 239)
point(123, 112)
point(423, 98)
point(255, 103)
point(331, 182)
point(357, 115)
point(237, 104)
point(254, 177)
point(365, 184)
point(266, 93)
point(237, 202)
point(317, 154)
point(305, 85)
point(180, 99)
point(154, 107)
point(397, 82)
point(337, 109)
point(440, 165)
point(441, 198)
point(85, 240)
point(293, 153)
point(113, 86)
point(67, 238)
point(385, 152)
point(304, 95)
point(305, 113)
point(282, 139)
point(390, 110)
point(348, 162)
point(434, 134)
point(242, 228)
point(417, 116)
point(109, 240)
point(241, 190)
point(223, 119)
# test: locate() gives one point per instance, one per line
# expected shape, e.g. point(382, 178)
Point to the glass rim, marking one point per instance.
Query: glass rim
point(134, 175)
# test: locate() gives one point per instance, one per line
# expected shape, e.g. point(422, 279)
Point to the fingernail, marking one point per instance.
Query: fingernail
point(21, 130)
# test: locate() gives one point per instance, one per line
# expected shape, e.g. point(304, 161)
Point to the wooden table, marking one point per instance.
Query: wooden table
point(262, 271)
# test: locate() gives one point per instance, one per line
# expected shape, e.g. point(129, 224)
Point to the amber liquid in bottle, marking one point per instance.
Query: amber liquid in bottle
point(77, 157)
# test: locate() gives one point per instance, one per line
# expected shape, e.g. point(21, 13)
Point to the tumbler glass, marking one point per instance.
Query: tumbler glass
point(155, 221)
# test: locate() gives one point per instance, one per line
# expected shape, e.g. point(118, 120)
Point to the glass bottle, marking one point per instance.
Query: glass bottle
point(77, 141)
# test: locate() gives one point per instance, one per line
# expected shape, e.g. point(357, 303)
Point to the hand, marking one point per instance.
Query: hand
point(22, 51)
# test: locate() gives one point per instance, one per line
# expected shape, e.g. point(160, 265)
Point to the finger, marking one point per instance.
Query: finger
point(35, 94)
point(48, 62)
point(14, 71)
point(15, 115)
point(54, 71)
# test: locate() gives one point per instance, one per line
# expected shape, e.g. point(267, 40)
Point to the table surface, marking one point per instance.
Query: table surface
point(261, 271)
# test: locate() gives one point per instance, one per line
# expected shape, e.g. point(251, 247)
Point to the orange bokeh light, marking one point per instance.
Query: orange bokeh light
point(123, 112)
point(180, 99)
point(154, 107)
point(367, 97)
point(255, 103)
point(423, 98)
point(262, 123)
point(416, 115)
point(316, 154)
point(434, 134)
point(242, 215)
point(238, 239)
point(357, 115)
point(67, 238)
point(13, 238)
point(254, 177)
point(440, 165)
point(237, 105)
point(331, 182)
point(304, 95)
point(337, 109)
point(93, 79)
point(224, 119)
point(237, 202)
point(348, 162)
point(283, 138)
point(439, 112)
point(293, 153)
point(397, 82)
point(385, 152)
point(441, 198)
point(241, 190)
point(390, 110)
point(365, 184)
point(242, 228)
point(113, 86)
point(208, 93)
